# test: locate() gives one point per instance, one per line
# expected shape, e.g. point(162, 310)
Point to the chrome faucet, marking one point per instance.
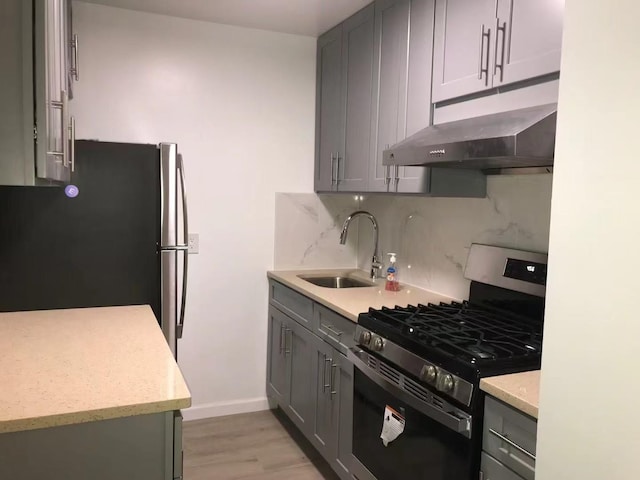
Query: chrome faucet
point(376, 266)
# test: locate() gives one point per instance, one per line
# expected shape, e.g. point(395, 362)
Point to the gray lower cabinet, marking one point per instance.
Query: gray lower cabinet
point(483, 44)
point(508, 443)
point(139, 447)
point(309, 377)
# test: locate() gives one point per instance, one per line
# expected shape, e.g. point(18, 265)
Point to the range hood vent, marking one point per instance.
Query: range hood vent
point(499, 143)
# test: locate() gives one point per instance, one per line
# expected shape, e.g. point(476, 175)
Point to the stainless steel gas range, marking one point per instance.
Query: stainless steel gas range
point(418, 368)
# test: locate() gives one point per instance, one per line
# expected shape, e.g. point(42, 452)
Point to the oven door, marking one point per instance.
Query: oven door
point(436, 441)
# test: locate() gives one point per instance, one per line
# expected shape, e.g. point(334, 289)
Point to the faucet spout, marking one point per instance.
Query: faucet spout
point(376, 266)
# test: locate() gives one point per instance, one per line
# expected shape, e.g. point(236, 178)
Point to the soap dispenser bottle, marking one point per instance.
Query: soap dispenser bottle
point(392, 283)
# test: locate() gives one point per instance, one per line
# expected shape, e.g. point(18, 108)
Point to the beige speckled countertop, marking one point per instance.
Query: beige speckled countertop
point(520, 390)
point(350, 302)
point(60, 367)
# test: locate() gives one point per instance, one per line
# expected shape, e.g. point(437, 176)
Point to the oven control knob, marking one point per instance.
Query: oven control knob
point(447, 383)
point(429, 373)
point(365, 337)
point(377, 344)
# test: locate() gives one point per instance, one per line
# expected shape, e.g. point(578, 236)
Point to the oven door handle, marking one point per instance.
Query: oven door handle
point(453, 422)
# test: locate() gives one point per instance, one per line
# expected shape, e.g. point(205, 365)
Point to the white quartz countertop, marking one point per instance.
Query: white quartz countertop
point(520, 390)
point(350, 302)
point(60, 367)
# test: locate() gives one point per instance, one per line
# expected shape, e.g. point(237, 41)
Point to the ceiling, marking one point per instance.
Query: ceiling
point(302, 17)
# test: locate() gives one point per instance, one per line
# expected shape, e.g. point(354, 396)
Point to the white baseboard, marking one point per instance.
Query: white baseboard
point(219, 409)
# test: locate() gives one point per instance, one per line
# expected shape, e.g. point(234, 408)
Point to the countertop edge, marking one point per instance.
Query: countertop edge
point(509, 398)
point(72, 418)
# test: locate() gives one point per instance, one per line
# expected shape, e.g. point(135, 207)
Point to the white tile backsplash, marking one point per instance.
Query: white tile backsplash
point(430, 235)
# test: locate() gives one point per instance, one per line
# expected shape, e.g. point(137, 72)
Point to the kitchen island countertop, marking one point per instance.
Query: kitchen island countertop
point(350, 302)
point(520, 390)
point(62, 367)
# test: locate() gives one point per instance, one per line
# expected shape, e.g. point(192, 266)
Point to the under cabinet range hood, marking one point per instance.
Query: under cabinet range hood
point(518, 141)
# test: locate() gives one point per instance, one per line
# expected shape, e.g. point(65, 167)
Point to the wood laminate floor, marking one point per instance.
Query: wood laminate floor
point(253, 446)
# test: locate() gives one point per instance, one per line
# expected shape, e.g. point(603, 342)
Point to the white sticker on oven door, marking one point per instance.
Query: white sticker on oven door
point(392, 426)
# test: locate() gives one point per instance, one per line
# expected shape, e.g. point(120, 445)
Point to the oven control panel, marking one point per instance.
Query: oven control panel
point(439, 378)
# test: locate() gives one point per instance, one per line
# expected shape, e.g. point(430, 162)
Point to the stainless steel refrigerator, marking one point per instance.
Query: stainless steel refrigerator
point(119, 239)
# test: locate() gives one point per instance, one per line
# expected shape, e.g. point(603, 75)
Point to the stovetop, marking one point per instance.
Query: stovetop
point(476, 334)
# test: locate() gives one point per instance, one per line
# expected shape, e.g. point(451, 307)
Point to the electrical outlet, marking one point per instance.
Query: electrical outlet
point(194, 243)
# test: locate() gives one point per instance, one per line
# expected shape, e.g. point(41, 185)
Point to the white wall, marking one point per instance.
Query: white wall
point(589, 425)
point(240, 104)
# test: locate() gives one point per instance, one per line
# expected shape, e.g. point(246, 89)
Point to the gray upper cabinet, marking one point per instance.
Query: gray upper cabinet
point(38, 143)
point(357, 68)
point(529, 40)
point(343, 99)
point(462, 56)
point(479, 45)
point(329, 120)
point(402, 88)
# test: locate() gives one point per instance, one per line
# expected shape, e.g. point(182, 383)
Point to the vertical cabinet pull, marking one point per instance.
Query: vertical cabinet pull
point(75, 69)
point(287, 351)
point(387, 171)
point(338, 158)
point(333, 170)
point(62, 105)
point(281, 335)
point(500, 65)
point(483, 64)
point(72, 143)
point(325, 385)
point(396, 178)
point(332, 378)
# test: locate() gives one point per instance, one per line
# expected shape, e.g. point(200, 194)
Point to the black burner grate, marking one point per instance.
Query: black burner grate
point(470, 332)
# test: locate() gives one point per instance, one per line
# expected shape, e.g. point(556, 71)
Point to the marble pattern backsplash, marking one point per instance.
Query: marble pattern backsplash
point(430, 235)
point(308, 230)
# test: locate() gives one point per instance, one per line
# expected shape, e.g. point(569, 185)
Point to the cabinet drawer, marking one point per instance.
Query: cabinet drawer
point(333, 328)
point(491, 469)
point(510, 437)
point(297, 306)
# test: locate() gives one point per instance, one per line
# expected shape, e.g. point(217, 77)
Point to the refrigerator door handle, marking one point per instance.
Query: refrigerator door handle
point(185, 270)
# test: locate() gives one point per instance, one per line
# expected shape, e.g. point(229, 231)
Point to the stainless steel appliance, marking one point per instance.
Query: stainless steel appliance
point(118, 237)
point(512, 140)
point(425, 362)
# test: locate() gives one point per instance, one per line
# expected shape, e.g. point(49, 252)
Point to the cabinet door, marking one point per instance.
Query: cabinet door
point(16, 94)
point(329, 119)
point(418, 102)
point(343, 414)
point(529, 39)
point(277, 361)
point(389, 85)
point(299, 350)
point(324, 432)
point(463, 47)
point(51, 94)
point(357, 82)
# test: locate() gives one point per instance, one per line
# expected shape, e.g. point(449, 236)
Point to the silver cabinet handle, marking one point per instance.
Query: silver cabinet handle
point(396, 177)
point(513, 444)
point(281, 335)
point(75, 69)
point(338, 158)
point(481, 475)
point(481, 65)
point(331, 329)
point(387, 175)
point(325, 385)
point(333, 170)
point(287, 351)
point(332, 378)
point(72, 143)
point(500, 65)
point(63, 106)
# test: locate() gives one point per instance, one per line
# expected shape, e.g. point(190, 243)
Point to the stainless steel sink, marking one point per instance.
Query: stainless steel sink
point(336, 281)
